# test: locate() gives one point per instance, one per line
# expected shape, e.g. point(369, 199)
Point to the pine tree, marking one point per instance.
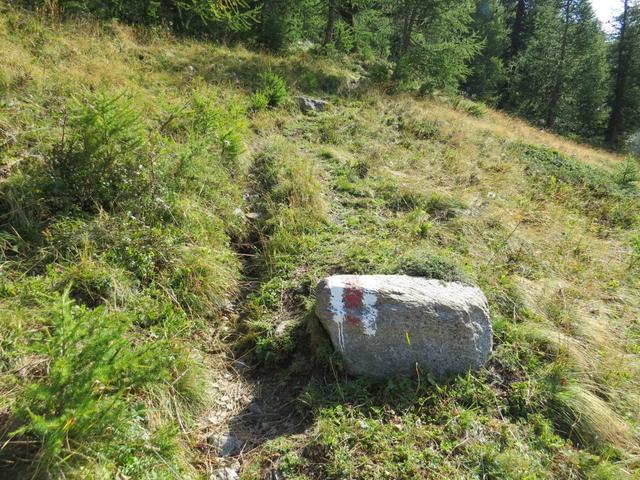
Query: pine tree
point(625, 102)
point(193, 16)
point(345, 10)
point(487, 69)
point(559, 79)
point(585, 110)
point(433, 42)
point(519, 27)
point(282, 23)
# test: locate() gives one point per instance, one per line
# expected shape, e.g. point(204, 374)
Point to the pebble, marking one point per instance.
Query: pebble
point(224, 474)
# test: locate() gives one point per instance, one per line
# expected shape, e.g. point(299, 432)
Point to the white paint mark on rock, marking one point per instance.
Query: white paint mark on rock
point(353, 302)
point(369, 310)
point(337, 307)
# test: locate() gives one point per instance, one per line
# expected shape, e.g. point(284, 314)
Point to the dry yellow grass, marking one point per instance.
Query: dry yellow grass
point(511, 128)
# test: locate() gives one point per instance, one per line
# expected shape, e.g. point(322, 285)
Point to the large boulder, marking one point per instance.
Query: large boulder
point(393, 325)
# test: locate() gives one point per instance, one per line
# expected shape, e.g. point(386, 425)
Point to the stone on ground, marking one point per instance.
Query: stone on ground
point(308, 104)
point(395, 325)
point(224, 474)
point(226, 445)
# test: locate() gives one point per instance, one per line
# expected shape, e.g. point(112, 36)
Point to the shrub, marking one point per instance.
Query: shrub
point(613, 198)
point(474, 109)
point(100, 162)
point(379, 70)
point(427, 265)
point(627, 174)
point(92, 367)
point(273, 88)
point(546, 162)
point(259, 101)
point(211, 130)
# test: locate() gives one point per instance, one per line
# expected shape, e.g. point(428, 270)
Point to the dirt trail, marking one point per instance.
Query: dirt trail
point(251, 405)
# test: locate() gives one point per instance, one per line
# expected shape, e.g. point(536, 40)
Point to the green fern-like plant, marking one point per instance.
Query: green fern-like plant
point(100, 161)
point(627, 173)
point(92, 366)
point(236, 15)
point(274, 88)
point(259, 102)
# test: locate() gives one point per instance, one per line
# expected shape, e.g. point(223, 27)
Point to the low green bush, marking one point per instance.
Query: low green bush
point(475, 109)
point(259, 101)
point(439, 206)
point(125, 230)
point(543, 161)
point(92, 366)
point(428, 265)
point(273, 88)
point(627, 174)
point(100, 162)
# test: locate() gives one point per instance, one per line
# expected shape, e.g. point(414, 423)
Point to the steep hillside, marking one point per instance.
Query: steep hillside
point(166, 210)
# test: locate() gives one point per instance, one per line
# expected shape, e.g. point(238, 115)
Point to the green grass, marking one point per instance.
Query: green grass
point(158, 221)
point(611, 197)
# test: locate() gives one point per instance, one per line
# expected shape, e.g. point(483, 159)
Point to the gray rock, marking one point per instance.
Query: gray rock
point(226, 446)
point(255, 408)
point(388, 325)
point(224, 474)
point(308, 104)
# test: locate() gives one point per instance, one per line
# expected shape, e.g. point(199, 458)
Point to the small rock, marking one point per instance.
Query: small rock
point(226, 445)
point(274, 475)
point(224, 474)
point(308, 104)
point(255, 408)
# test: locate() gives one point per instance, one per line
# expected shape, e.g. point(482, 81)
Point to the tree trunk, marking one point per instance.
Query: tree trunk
point(517, 34)
point(407, 30)
point(556, 93)
point(347, 12)
point(331, 23)
point(145, 12)
point(614, 128)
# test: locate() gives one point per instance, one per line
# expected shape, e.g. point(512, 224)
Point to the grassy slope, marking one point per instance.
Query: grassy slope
point(378, 184)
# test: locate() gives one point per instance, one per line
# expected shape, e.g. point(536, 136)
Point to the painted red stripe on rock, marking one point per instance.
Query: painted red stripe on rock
point(353, 302)
point(353, 298)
